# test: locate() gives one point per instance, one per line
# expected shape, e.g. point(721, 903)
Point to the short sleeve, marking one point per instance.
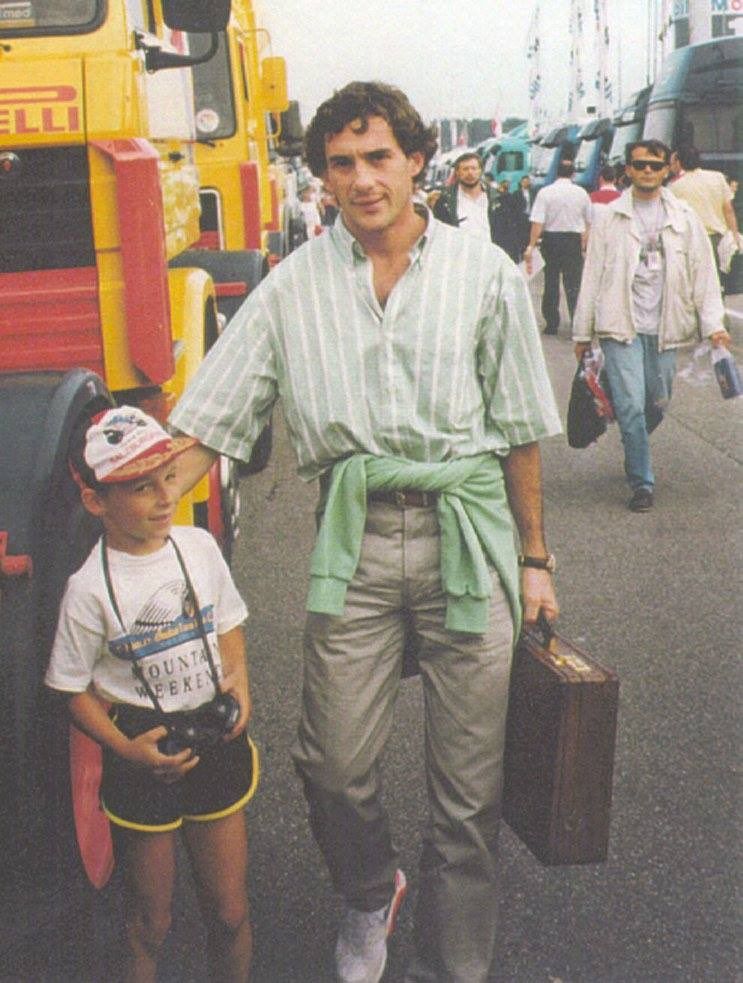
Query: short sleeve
point(78, 643)
point(520, 405)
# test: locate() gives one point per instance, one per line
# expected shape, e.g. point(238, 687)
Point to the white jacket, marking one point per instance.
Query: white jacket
point(692, 301)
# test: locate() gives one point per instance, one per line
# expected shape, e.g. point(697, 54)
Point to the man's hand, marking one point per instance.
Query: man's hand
point(538, 594)
point(720, 339)
point(581, 347)
point(193, 464)
point(528, 259)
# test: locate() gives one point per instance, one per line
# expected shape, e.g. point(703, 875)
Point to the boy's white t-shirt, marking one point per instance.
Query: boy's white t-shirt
point(152, 597)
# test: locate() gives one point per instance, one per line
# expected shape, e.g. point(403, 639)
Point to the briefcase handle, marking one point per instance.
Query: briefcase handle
point(546, 628)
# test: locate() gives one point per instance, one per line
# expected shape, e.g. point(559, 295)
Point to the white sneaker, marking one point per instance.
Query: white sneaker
point(361, 949)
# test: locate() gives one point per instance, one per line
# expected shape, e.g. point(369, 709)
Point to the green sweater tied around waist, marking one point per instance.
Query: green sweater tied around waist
point(474, 518)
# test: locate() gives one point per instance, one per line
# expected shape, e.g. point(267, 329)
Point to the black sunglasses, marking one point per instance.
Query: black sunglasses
point(654, 165)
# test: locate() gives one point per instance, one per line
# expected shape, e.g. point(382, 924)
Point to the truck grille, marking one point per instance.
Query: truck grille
point(45, 207)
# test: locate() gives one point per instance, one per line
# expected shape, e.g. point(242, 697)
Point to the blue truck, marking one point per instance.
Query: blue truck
point(595, 138)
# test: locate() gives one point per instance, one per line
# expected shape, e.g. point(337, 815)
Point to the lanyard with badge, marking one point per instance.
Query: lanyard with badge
point(651, 247)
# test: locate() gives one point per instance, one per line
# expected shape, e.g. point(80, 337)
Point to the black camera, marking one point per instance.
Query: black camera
point(201, 728)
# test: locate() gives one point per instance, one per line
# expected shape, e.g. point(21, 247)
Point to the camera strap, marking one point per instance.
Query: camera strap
point(136, 667)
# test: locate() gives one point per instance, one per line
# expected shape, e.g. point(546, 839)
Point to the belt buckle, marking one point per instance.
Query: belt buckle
point(400, 499)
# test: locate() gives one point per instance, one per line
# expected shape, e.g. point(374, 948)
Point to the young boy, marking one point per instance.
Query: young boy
point(151, 624)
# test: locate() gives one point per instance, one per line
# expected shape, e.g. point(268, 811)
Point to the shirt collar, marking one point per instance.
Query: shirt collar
point(673, 214)
point(352, 252)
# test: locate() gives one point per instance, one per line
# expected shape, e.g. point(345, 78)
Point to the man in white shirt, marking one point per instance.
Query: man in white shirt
point(560, 216)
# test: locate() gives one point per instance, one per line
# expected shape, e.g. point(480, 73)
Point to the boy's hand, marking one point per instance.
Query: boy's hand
point(236, 684)
point(143, 750)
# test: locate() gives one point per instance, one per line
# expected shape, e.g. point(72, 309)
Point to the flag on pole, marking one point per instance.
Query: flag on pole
point(603, 83)
point(577, 91)
point(534, 57)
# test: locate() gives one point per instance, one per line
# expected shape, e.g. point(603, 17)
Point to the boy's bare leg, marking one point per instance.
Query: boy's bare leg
point(149, 876)
point(219, 858)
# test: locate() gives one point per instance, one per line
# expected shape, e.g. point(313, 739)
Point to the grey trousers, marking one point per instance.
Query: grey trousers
point(352, 670)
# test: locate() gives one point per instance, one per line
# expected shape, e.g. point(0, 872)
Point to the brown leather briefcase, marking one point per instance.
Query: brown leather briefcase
point(559, 756)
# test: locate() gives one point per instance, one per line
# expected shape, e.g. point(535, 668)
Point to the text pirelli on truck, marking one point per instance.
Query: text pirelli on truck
point(135, 202)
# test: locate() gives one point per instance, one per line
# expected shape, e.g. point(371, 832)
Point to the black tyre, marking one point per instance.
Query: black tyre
point(48, 523)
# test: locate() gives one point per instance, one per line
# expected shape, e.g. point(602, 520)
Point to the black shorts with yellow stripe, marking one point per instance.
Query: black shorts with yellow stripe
point(222, 782)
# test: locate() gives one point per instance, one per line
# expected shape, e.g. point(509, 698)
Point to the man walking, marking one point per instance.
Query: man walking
point(473, 205)
point(560, 216)
point(520, 202)
point(649, 285)
point(709, 194)
point(414, 388)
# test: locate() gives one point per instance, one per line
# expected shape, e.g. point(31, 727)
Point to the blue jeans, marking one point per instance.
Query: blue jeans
point(640, 378)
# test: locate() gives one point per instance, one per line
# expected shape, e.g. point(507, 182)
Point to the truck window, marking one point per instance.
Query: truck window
point(714, 129)
point(511, 160)
point(623, 135)
point(48, 16)
point(540, 159)
point(213, 98)
point(137, 17)
point(660, 123)
point(585, 149)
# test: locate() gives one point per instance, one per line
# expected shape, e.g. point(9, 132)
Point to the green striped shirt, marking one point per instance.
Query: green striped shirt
point(450, 367)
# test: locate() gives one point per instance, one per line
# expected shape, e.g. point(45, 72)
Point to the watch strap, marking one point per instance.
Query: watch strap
point(538, 562)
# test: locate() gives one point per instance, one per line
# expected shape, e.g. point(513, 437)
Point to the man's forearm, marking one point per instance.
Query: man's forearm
point(535, 234)
point(523, 474)
point(193, 464)
point(731, 219)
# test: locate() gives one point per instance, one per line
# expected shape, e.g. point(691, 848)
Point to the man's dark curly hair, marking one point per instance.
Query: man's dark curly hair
point(655, 147)
point(359, 101)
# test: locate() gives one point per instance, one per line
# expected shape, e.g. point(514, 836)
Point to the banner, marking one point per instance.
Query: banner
point(537, 111)
point(603, 83)
point(577, 91)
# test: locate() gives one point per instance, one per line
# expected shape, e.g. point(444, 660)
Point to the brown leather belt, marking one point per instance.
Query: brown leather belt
point(404, 499)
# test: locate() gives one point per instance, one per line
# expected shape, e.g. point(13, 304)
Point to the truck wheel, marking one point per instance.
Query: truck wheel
point(79, 757)
point(35, 731)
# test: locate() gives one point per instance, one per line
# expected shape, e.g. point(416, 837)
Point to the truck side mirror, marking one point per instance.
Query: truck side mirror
point(273, 79)
point(196, 16)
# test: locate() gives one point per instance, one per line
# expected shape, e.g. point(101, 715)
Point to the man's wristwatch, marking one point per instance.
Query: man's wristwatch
point(548, 562)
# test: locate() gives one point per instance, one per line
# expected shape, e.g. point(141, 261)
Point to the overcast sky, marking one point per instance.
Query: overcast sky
point(452, 57)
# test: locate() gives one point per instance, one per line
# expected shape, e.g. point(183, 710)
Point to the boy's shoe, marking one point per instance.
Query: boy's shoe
point(361, 949)
point(641, 501)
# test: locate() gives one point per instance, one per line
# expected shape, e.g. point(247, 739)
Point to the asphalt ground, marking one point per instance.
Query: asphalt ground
point(655, 596)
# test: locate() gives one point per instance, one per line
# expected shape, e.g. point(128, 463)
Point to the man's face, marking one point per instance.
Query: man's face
point(468, 172)
point(525, 183)
point(370, 176)
point(646, 178)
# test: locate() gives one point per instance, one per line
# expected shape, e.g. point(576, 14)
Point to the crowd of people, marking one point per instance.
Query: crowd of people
point(407, 356)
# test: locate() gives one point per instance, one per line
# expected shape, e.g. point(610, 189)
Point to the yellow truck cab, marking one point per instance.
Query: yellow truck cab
point(235, 95)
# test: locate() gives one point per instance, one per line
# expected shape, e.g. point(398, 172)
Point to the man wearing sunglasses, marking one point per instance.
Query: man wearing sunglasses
point(649, 286)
